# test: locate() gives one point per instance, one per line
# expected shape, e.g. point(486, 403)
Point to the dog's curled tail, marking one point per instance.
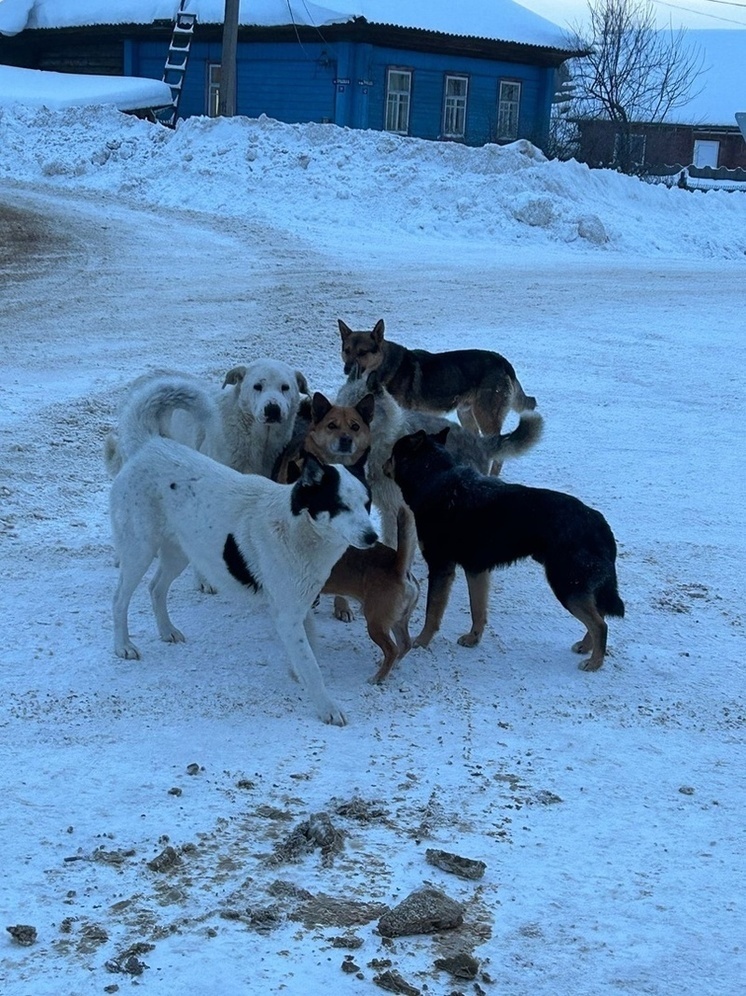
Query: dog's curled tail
point(520, 401)
point(526, 434)
point(149, 409)
point(406, 540)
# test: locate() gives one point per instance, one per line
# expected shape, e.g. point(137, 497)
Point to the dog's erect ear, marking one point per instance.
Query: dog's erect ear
point(234, 376)
point(377, 332)
point(344, 330)
point(440, 437)
point(416, 441)
point(302, 383)
point(293, 471)
point(366, 407)
point(313, 471)
point(319, 407)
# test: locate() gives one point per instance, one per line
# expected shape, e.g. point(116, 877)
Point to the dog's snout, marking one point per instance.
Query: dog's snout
point(272, 412)
point(370, 537)
point(345, 444)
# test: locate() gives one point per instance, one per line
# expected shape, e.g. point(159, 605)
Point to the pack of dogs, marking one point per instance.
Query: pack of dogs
point(266, 489)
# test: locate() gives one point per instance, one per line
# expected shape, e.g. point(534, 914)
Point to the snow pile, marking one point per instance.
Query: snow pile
point(307, 179)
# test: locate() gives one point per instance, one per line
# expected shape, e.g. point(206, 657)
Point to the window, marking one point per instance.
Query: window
point(636, 149)
point(508, 106)
point(454, 106)
point(213, 89)
point(705, 153)
point(398, 95)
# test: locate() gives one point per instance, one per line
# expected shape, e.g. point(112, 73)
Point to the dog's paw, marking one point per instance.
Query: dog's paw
point(206, 588)
point(173, 635)
point(470, 639)
point(583, 646)
point(423, 640)
point(342, 610)
point(590, 665)
point(333, 715)
point(128, 652)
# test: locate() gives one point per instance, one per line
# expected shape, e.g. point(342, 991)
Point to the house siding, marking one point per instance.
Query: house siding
point(304, 81)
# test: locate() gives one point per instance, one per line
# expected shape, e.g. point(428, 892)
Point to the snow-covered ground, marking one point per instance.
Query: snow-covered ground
point(608, 807)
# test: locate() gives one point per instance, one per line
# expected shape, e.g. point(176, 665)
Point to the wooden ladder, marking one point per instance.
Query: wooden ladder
point(176, 62)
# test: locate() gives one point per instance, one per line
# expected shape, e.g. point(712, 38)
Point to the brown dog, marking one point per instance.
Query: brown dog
point(380, 579)
point(480, 385)
point(331, 433)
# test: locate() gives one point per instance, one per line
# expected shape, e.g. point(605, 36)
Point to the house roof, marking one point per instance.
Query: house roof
point(494, 20)
point(723, 83)
point(59, 90)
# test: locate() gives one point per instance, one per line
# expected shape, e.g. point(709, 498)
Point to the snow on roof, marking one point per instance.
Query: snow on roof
point(722, 85)
point(502, 20)
point(59, 90)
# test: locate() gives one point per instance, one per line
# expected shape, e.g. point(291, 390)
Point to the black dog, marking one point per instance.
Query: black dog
point(468, 519)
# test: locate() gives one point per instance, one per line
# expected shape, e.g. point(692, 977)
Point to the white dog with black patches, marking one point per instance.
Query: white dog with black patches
point(244, 533)
point(256, 407)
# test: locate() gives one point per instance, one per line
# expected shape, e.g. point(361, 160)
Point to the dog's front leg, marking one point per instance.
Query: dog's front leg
point(297, 636)
point(479, 589)
point(439, 581)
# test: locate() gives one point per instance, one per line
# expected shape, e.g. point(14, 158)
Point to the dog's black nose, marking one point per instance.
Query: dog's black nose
point(345, 444)
point(370, 537)
point(272, 412)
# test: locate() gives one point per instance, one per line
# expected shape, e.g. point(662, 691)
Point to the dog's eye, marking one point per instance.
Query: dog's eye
point(332, 425)
point(286, 387)
point(257, 387)
point(355, 426)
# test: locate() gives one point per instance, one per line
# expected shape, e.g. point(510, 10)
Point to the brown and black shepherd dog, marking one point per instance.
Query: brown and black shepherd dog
point(480, 385)
point(477, 522)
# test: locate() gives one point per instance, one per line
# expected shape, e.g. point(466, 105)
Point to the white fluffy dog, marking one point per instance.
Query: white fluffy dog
point(257, 407)
point(244, 533)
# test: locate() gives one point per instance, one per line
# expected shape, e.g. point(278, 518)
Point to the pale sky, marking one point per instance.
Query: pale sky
point(679, 13)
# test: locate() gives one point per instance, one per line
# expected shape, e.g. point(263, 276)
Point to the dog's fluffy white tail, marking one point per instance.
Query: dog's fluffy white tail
point(148, 413)
point(512, 444)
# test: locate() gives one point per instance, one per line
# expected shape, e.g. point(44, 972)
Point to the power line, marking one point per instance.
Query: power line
point(713, 17)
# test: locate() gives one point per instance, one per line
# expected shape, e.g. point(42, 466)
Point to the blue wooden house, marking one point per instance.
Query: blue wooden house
point(483, 71)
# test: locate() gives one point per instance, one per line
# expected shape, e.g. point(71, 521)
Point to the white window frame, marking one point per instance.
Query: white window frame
point(398, 100)
point(508, 109)
point(703, 150)
point(213, 89)
point(454, 105)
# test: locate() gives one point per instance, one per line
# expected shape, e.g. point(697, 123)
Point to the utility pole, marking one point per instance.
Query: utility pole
point(227, 96)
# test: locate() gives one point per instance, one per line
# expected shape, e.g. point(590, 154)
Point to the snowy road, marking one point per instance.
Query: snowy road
point(628, 883)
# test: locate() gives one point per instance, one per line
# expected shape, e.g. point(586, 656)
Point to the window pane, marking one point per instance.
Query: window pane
point(508, 110)
point(454, 106)
point(397, 101)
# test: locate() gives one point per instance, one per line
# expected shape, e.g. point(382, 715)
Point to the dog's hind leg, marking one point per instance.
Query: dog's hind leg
point(491, 407)
point(465, 414)
point(294, 635)
point(133, 563)
point(382, 637)
point(584, 608)
point(342, 610)
point(439, 582)
point(479, 589)
point(171, 562)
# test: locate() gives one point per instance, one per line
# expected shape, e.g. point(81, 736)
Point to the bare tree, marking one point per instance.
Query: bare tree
point(633, 72)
